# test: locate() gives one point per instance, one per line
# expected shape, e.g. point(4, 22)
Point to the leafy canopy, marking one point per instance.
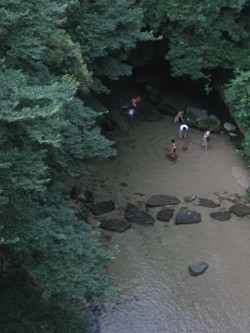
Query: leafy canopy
point(54, 59)
point(202, 35)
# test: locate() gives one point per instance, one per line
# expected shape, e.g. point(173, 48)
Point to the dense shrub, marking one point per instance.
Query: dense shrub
point(210, 123)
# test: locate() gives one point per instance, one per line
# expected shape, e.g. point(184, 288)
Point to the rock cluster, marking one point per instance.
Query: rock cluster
point(170, 208)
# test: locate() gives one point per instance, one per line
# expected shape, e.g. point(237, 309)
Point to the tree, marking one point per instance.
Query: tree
point(106, 34)
point(51, 54)
point(202, 35)
point(237, 94)
point(46, 130)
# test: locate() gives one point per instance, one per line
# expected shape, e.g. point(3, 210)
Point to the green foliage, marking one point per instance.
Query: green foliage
point(237, 94)
point(246, 146)
point(24, 26)
point(248, 194)
point(59, 252)
point(208, 86)
point(80, 140)
point(106, 35)
point(202, 35)
point(65, 57)
point(209, 122)
point(46, 130)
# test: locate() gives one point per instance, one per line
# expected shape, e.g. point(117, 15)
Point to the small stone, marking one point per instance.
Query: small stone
point(198, 268)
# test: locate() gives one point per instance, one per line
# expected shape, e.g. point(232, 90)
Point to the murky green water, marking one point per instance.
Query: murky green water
point(157, 294)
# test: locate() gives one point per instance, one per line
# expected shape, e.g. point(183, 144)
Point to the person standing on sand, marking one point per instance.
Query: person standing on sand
point(179, 117)
point(174, 148)
point(183, 131)
point(206, 139)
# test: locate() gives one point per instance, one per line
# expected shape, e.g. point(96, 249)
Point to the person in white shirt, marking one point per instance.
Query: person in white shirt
point(183, 131)
point(131, 112)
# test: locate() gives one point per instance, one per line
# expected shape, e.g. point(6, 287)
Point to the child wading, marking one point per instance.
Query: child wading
point(174, 148)
point(206, 139)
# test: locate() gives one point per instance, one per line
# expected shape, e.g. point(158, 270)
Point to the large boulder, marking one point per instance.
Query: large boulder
point(103, 207)
point(228, 127)
point(135, 215)
point(198, 114)
point(240, 209)
point(186, 216)
point(231, 130)
point(162, 200)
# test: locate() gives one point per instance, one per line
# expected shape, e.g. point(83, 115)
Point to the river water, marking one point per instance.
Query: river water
point(156, 292)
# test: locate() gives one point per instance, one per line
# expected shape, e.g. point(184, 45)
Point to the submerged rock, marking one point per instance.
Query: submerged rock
point(115, 225)
point(135, 215)
point(221, 216)
point(229, 127)
point(165, 215)
point(204, 202)
point(190, 198)
point(186, 216)
point(240, 209)
point(199, 114)
point(198, 268)
point(162, 200)
point(103, 207)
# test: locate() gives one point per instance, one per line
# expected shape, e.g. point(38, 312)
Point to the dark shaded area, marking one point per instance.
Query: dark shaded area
point(190, 88)
point(23, 310)
point(138, 84)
